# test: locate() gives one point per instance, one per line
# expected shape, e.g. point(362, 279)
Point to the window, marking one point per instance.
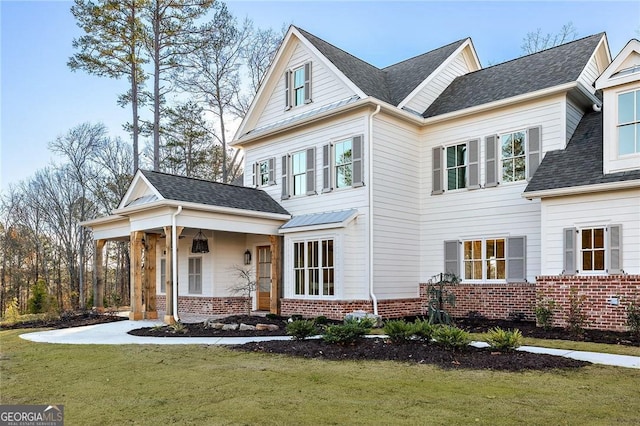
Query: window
point(589, 250)
point(195, 275)
point(513, 148)
point(313, 268)
point(264, 172)
point(456, 166)
point(163, 275)
point(342, 164)
point(592, 249)
point(298, 86)
point(299, 173)
point(484, 259)
point(629, 123)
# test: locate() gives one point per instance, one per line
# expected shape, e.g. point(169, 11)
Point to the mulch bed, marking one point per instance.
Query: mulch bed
point(68, 320)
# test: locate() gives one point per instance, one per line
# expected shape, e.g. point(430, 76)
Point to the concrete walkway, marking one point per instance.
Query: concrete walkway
point(115, 333)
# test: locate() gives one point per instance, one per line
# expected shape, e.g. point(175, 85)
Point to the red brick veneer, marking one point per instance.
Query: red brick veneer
point(337, 309)
point(596, 289)
point(207, 305)
point(495, 301)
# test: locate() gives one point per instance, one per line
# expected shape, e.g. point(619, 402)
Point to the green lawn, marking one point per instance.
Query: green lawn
point(196, 384)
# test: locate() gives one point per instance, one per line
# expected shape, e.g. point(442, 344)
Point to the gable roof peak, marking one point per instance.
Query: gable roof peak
point(418, 56)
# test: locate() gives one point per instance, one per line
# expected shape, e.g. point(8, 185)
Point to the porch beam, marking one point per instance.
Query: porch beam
point(136, 312)
point(98, 278)
point(276, 273)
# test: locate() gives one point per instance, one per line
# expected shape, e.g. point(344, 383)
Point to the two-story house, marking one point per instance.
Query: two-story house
point(361, 184)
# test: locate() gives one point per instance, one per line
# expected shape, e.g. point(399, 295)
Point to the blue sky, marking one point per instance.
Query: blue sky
point(42, 99)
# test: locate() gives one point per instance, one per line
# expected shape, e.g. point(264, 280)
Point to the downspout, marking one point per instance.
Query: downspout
point(373, 296)
point(174, 261)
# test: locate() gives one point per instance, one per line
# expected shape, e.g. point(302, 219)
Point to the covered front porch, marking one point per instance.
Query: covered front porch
point(197, 247)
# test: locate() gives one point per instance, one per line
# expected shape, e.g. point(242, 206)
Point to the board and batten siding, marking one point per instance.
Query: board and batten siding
point(574, 115)
point(422, 100)
point(600, 209)
point(487, 212)
point(396, 209)
point(326, 88)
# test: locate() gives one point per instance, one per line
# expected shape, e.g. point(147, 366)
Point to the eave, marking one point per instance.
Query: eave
point(582, 189)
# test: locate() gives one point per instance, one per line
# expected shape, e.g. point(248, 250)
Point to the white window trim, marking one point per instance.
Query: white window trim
point(500, 158)
point(618, 126)
point(607, 249)
point(333, 175)
point(292, 193)
point(258, 177)
point(201, 275)
point(290, 286)
point(484, 239)
point(293, 86)
point(445, 169)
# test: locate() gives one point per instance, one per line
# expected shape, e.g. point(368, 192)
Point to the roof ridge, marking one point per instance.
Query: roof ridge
point(425, 53)
point(540, 51)
point(143, 171)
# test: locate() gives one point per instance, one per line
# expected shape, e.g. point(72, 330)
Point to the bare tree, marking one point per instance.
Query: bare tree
point(535, 41)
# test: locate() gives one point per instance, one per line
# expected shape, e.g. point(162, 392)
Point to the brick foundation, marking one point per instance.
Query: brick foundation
point(204, 306)
point(495, 301)
point(337, 309)
point(597, 289)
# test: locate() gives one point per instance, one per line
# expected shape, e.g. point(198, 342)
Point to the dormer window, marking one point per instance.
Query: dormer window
point(297, 84)
point(629, 123)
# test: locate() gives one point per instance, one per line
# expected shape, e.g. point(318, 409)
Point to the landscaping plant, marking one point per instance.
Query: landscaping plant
point(576, 318)
point(423, 330)
point(399, 331)
point(633, 318)
point(439, 296)
point(347, 333)
point(504, 340)
point(544, 310)
point(451, 337)
point(301, 329)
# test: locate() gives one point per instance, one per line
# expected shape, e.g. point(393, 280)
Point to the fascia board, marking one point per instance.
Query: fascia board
point(583, 189)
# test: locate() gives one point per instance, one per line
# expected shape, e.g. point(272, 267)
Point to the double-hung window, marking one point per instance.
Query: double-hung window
point(456, 166)
point(487, 259)
point(313, 268)
point(592, 250)
point(513, 156)
point(297, 84)
point(195, 275)
point(342, 164)
point(163, 275)
point(629, 123)
point(299, 173)
point(264, 172)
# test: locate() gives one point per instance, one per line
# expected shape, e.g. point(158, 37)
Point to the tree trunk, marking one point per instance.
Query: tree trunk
point(156, 89)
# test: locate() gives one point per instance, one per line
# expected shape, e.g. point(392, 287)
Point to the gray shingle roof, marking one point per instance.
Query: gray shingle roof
point(580, 163)
point(391, 84)
point(180, 188)
point(551, 67)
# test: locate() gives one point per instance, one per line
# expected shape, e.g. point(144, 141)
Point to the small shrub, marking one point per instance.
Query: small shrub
point(399, 331)
point(451, 337)
point(38, 302)
point(423, 330)
point(576, 318)
point(633, 318)
point(544, 311)
point(272, 316)
point(295, 317)
point(12, 312)
point(178, 328)
point(301, 329)
point(158, 327)
point(321, 320)
point(504, 340)
point(347, 333)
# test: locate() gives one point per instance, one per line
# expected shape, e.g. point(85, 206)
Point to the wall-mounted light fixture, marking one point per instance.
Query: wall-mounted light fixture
point(247, 257)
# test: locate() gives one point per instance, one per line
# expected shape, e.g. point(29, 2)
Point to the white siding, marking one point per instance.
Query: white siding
point(590, 73)
point(606, 208)
point(421, 101)
point(326, 88)
point(227, 256)
point(396, 220)
point(574, 115)
point(488, 212)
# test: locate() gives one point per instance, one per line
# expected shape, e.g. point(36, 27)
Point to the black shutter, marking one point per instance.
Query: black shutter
point(356, 158)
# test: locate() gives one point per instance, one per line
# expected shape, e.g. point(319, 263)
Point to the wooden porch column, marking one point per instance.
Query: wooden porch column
point(136, 312)
point(168, 273)
point(98, 277)
point(150, 276)
point(276, 273)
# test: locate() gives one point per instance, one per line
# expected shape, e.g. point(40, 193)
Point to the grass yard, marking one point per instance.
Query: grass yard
point(196, 384)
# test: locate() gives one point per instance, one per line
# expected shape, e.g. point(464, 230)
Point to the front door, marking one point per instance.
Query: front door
point(263, 278)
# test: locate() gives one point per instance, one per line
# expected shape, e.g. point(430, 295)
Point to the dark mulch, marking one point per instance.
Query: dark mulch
point(68, 320)
point(421, 353)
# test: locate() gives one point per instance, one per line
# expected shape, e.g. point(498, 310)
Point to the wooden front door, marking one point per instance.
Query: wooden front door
point(263, 278)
